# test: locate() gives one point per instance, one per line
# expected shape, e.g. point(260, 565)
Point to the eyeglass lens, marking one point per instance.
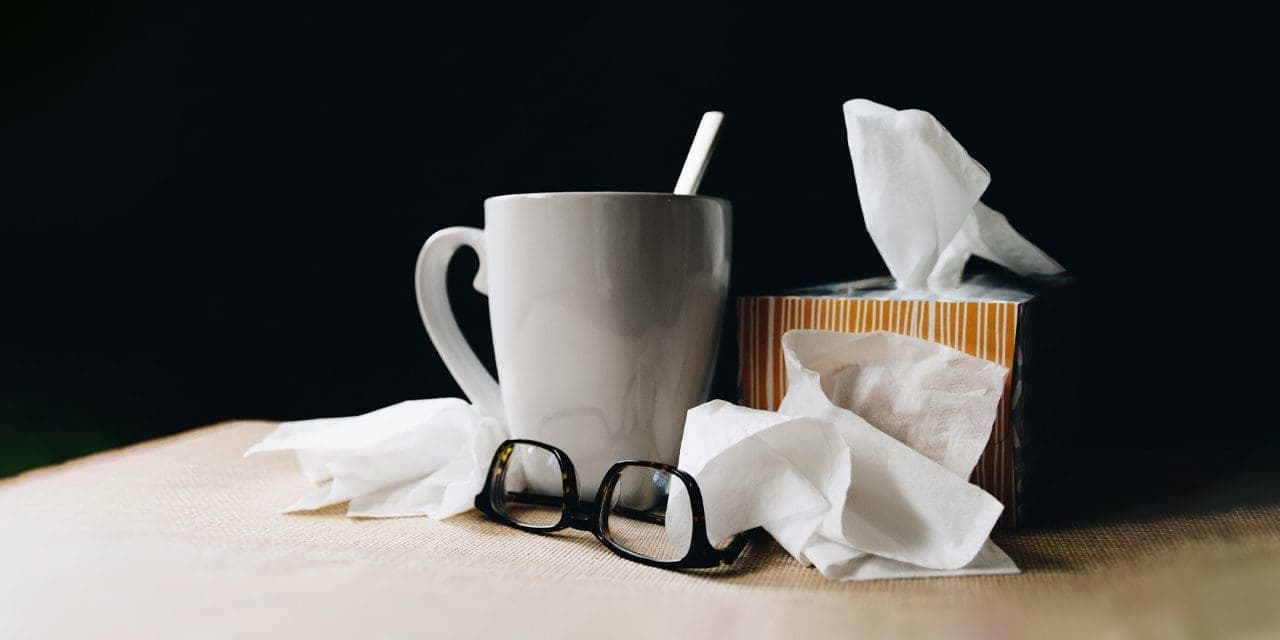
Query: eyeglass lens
point(531, 491)
point(650, 514)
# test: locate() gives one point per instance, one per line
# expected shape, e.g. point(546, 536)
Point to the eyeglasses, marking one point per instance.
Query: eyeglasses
point(648, 512)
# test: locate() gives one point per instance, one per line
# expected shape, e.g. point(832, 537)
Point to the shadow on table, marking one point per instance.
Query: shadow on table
point(1101, 486)
point(756, 555)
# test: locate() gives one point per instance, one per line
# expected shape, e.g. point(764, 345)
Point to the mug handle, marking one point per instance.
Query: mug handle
point(437, 315)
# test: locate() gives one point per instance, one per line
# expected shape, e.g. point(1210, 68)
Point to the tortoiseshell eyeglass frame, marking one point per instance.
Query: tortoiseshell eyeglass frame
point(594, 517)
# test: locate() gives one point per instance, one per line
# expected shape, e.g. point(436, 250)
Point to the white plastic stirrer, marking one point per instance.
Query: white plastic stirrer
point(699, 153)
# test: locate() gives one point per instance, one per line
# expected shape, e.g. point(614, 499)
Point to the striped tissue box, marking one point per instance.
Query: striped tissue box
point(1027, 326)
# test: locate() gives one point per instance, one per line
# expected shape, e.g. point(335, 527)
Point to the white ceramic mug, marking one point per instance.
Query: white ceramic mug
point(605, 309)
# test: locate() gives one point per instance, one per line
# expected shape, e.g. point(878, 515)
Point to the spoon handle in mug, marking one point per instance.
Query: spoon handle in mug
point(433, 303)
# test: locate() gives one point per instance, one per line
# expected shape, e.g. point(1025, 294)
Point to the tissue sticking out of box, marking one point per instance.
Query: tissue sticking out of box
point(919, 191)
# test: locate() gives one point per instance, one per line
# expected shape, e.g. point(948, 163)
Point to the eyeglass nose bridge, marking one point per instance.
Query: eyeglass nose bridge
point(583, 517)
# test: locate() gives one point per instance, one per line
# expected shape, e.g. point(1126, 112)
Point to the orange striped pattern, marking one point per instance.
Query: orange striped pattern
point(982, 329)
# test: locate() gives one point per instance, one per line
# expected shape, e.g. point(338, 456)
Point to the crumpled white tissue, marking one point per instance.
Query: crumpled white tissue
point(919, 192)
point(418, 457)
point(863, 470)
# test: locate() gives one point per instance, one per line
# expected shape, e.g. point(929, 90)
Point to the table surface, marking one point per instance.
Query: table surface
point(181, 537)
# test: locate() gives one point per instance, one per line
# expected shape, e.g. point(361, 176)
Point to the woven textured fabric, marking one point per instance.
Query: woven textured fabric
point(182, 537)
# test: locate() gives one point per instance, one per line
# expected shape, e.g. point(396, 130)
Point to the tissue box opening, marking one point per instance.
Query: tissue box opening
point(1027, 325)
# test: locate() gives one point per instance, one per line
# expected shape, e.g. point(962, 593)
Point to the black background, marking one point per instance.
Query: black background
point(212, 211)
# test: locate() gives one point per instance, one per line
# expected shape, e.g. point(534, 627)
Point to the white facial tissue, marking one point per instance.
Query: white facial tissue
point(858, 499)
point(418, 457)
point(919, 192)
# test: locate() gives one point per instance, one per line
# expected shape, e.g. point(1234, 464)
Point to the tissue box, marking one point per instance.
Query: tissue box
point(1027, 325)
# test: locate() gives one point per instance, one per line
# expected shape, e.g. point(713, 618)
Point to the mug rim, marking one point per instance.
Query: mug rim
point(642, 194)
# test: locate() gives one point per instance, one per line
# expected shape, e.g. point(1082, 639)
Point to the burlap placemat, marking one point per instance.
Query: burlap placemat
point(183, 536)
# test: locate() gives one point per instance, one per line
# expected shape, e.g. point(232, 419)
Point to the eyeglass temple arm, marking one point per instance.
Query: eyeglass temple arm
point(739, 542)
point(726, 555)
point(584, 506)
